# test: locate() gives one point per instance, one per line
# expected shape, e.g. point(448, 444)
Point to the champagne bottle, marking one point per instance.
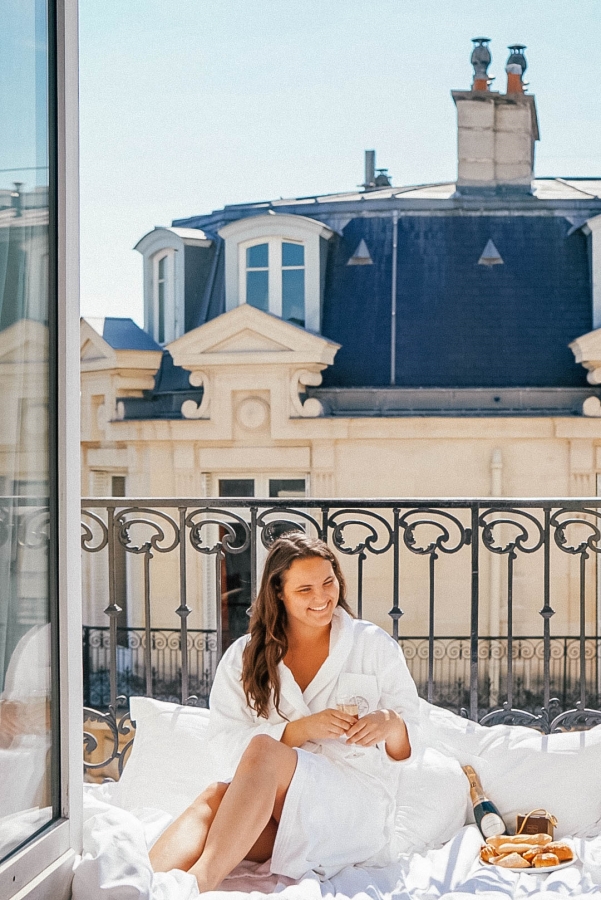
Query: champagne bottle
point(488, 817)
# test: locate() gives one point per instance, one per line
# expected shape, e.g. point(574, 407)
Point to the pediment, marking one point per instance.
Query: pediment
point(248, 335)
point(248, 341)
point(24, 341)
point(93, 349)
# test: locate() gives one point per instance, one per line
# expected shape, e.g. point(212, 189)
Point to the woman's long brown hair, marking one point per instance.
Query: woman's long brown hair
point(268, 642)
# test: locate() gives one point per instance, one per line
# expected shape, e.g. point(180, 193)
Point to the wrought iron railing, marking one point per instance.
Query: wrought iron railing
point(449, 689)
point(470, 568)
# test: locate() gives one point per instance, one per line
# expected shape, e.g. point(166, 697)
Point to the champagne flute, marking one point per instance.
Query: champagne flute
point(349, 705)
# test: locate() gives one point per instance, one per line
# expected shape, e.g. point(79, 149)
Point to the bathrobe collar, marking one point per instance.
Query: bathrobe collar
point(341, 642)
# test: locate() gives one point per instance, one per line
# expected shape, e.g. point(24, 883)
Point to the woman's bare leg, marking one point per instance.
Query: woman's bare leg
point(181, 844)
point(256, 794)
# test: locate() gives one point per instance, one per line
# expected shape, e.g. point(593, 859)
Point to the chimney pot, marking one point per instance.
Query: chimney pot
point(370, 169)
point(515, 68)
point(481, 60)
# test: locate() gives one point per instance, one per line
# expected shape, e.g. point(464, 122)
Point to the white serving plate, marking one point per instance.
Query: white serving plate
point(541, 871)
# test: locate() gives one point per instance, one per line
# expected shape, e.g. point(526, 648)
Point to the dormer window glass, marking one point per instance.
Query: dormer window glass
point(293, 283)
point(161, 290)
point(274, 278)
point(163, 300)
point(257, 276)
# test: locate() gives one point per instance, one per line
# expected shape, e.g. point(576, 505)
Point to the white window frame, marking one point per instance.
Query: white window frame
point(244, 233)
point(44, 866)
point(275, 270)
point(169, 323)
point(153, 246)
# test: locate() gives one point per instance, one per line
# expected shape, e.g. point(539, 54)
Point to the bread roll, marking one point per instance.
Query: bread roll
point(487, 853)
point(545, 859)
point(562, 851)
point(515, 861)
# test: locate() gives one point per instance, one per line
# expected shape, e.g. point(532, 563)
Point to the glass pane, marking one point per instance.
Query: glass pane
point(257, 289)
point(286, 487)
point(161, 310)
point(257, 257)
point(293, 296)
point(162, 266)
point(27, 750)
point(293, 254)
point(236, 487)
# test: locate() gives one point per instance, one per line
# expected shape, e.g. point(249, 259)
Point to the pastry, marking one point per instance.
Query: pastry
point(532, 852)
point(487, 853)
point(515, 861)
point(562, 851)
point(545, 859)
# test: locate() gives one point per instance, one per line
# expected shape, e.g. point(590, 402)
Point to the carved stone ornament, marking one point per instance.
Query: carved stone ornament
point(252, 413)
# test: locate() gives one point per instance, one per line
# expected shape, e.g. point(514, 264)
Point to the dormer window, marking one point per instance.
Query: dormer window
point(169, 253)
point(275, 278)
point(276, 263)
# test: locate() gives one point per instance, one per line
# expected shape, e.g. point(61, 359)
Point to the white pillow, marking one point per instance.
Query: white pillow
point(522, 769)
point(170, 762)
point(431, 802)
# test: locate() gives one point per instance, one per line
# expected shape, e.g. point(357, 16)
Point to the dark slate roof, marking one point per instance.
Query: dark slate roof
point(164, 401)
point(458, 323)
point(124, 334)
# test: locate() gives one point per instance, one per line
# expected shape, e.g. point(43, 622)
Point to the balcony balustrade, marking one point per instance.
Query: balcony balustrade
point(495, 602)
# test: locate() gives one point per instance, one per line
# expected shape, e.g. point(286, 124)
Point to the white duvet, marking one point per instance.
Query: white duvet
point(521, 769)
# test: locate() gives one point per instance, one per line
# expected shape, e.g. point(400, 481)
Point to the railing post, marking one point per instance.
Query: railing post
point(86, 665)
point(475, 599)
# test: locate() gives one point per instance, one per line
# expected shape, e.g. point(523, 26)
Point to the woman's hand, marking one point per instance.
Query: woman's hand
point(382, 725)
point(328, 724)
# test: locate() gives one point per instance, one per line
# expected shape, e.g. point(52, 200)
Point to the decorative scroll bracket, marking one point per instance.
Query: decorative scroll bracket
point(311, 408)
point(202, 410)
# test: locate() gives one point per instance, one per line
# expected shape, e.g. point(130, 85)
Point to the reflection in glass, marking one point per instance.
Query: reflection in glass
point(257, 276)
point(162, 282)
point(293, 296)
point(293, 283)
point(257, 257)
point(25, 629)
point(257, 289)
point(293, 254)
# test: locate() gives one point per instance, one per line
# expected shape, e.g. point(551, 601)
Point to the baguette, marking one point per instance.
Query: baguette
point(530, 839)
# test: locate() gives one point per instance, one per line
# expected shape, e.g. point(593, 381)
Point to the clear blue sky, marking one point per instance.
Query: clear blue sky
point(187, 105)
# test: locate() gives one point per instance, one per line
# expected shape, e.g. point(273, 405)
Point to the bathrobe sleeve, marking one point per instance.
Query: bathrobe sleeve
point(398, 690)
point(232, 723)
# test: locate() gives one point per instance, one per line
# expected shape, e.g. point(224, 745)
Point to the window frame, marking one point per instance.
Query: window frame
point(282, 228)
point(275, 270)
point(43, 866)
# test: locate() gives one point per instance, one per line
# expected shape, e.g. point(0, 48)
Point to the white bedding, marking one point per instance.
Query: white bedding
point(115, 866)
point(561, 772)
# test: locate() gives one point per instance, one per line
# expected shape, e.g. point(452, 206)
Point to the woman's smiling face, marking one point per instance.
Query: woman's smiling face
point(310, 592)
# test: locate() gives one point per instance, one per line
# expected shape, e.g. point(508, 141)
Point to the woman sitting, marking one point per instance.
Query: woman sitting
point(310, 714)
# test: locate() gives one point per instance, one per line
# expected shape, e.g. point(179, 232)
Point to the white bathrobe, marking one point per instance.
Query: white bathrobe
point(339, 809)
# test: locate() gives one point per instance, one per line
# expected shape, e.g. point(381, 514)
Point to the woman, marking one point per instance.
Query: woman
point(313, 787)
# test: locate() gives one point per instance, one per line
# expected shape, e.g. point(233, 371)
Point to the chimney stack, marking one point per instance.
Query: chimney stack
point(495, 132)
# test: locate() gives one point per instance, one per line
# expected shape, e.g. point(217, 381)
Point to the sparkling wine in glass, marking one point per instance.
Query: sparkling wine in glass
point(350, 706)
